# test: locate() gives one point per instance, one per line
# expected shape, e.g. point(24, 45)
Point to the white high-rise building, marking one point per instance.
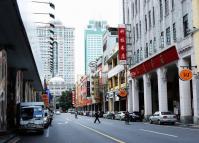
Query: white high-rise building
point(63, 53)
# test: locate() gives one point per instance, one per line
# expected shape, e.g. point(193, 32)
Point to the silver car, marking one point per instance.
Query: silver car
point(120, 115)
point(163, 117)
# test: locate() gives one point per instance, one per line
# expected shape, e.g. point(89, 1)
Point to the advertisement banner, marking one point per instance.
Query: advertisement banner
point(45, 99)
point(122, 43)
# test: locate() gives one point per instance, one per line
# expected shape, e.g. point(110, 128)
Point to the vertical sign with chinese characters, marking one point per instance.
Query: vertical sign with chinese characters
point(122, 43)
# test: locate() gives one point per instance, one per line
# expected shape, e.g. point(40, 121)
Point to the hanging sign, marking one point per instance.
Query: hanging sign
point(122, 43)
point(185, 74)
point(122, 92)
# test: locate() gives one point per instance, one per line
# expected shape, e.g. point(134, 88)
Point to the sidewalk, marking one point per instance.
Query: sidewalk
point(187, 125)
point(6, 136)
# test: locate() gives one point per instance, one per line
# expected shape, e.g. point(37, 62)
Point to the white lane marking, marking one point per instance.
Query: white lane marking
point(47, 133)
point(159, 133)
point(105, 135)
point(14, 140)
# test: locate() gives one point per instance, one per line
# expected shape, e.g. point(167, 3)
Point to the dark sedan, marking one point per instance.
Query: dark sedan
point(135, 116)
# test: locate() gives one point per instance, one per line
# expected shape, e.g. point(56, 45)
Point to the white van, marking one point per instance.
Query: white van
point(31, 116)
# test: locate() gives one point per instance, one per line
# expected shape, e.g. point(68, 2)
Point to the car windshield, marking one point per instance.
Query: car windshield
point(166, 113)
point(27, 113)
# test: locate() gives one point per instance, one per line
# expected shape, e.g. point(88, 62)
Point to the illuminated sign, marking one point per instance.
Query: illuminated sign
point(122, 43)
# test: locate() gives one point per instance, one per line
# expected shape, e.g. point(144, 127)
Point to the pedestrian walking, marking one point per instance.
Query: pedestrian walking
point(96, 117)
point(76, 114)
point(50, 118)
point(127, 118)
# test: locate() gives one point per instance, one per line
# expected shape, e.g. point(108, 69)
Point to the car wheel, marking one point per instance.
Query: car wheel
point(173, 123)
point(159, 122)
point(151, 122)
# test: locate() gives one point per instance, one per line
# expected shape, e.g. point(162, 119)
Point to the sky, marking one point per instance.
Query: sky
point(77, 13)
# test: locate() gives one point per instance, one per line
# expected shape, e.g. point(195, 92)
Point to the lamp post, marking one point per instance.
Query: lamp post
point(50, 14)
point(50, 4)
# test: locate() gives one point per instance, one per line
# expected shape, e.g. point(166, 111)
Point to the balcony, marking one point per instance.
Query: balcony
point(117, 69)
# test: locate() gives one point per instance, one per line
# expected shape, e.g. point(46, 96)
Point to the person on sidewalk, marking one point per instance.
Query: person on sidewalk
point(96, 117)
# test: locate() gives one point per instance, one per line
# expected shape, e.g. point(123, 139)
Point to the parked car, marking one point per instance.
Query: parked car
point(101, 113)
point(31, 116)
point(135, 116)
point(120, 115)
point(163, 117)
point(57, 112)
point(109, 115)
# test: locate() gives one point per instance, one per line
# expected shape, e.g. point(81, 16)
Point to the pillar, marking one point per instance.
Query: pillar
point(19, 86)
point(3, 90)
point(135, 95)
point(130, 99)
point(162, 89)
point(185, 96)
point(195, 88)
point(147, 96)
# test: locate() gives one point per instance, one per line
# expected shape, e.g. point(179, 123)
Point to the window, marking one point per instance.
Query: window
point(172, 4)
point(168, 36)
point(137, 31)
point(141, 54)
point(174, 32)
point(166, 7)
point(134, 34)
point(133, 9)
point(140, 30)
point(154, 45)
point(149, 19)
point(146, 51)
point(150, 48)
point(136, 7)
point(161, 10)
point(162, 40)
point(128, 17)
point(138, 56)
point(185, 25)
point(145, 23)
point(134, 58)
point(153, 16)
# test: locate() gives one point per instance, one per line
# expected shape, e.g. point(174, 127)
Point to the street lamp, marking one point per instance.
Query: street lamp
point(50, 14)
point(50, 4)
point(51, 25)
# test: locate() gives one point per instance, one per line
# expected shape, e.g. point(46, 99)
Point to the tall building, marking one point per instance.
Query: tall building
point(63, 53)
point(45, 48)
point(93, 38)
point(162, 45)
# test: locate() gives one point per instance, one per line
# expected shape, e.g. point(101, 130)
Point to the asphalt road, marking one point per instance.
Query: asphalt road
point(66, 129)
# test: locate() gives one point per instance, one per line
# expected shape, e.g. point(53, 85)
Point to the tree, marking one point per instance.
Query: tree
point(65, 101)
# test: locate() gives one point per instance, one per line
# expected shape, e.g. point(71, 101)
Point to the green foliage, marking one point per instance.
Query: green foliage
point(65, 101)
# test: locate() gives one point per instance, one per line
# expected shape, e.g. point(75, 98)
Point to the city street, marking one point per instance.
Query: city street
point(67, 129)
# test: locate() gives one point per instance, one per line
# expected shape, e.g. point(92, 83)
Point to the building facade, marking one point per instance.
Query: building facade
point(114, 71)
point(63, 53)
point(93, 36)
point(162, 45)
